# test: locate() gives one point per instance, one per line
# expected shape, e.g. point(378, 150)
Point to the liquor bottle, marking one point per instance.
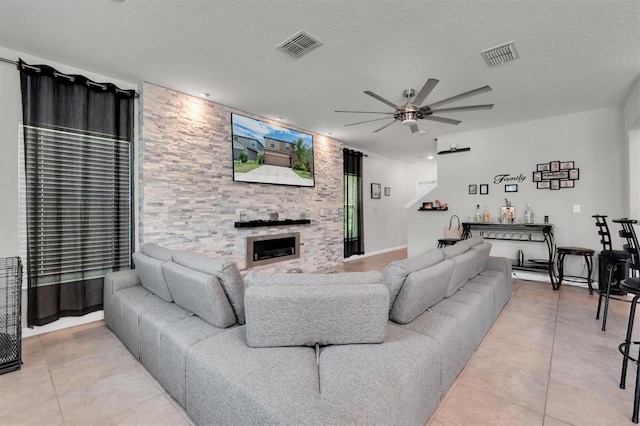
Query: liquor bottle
point(528, 214)
point(486, 215)
point(478, 215)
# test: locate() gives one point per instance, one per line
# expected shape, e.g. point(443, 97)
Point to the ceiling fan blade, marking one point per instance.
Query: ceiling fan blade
point(368, 121)
point(367, 112)
point(381, 99)
point(464, 108)
point(385, 126)
point(425, 91)
point(442, 119)
point(461, 96)
point(414, 128)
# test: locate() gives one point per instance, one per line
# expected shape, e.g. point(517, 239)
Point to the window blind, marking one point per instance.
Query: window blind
point(79, 199)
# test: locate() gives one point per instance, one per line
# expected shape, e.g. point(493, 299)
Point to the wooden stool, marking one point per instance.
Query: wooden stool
point(587, 253)
point(443, 242)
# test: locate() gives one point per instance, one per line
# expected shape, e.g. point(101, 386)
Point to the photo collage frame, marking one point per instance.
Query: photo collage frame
point(556, 175)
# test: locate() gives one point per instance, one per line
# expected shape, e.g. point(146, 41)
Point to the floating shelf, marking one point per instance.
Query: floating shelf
point(432, 210)
point(258, 223)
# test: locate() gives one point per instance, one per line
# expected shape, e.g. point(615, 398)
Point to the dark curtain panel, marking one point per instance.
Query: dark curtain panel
point(353, 230)
point(78, 153)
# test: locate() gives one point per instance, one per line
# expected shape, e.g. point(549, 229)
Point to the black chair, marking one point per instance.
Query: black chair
point(611, 268)
point(630, 285)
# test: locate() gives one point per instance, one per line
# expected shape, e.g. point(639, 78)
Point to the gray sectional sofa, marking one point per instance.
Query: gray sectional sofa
point(343, 348)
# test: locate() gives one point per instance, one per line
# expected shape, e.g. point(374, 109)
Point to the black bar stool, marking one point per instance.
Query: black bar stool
point(587, 253)
point(630, 285)
point(610, 261)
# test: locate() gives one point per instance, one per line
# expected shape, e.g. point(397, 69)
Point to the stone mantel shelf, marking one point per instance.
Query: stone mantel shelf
point(258, 223)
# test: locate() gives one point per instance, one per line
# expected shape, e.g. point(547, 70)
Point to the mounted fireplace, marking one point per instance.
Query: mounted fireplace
point(265, 249)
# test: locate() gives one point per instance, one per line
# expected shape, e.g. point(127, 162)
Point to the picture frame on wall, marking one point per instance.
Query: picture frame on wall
point(545, 184)
point(537, 176)
point(473, 189)
point(555, 184)
point(376, 191)
point(554, 166)
point(566, 184)
point(511, 187)
point(566, 165)
point(544, 167)
point(574, 174)
point(484, 189)
point(387, 191)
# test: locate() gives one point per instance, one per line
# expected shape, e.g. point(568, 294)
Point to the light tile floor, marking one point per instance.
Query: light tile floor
point(544, 362)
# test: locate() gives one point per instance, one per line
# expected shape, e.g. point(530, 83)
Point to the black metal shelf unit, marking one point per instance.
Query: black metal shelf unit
point(10, 312)
point(530, 233)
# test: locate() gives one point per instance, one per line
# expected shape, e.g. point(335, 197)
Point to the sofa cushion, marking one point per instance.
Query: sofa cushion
point(148, 262)
point(455, 250)
point(421, 290)
point(483, 250)
point(397, 271)
point(464, 264)
point(199, 293)
point(157, 252)
point(473, 241)
point(293, 315)
point(226, 272)
point(254, 278)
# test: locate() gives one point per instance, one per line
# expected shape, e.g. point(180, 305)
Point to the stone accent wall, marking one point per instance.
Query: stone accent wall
point(188, 199)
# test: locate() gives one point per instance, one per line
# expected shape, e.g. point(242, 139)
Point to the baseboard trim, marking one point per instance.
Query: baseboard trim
point(62, 323)
point(373, 253)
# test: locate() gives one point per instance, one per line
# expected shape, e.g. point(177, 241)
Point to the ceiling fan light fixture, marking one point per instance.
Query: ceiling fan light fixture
point(409, 118)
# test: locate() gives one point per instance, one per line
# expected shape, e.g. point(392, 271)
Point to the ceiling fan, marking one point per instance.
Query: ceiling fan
point(413, 110)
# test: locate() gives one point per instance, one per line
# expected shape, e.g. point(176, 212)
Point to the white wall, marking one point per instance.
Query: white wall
point(632, 126)
point(385, 222)
point(594, 140)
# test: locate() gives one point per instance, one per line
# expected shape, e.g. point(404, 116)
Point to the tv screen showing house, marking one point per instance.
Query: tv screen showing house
point(267, 153)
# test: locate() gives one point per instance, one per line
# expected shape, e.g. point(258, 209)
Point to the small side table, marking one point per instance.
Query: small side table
point(587, 253)
point(631, 285)
point(443, 242)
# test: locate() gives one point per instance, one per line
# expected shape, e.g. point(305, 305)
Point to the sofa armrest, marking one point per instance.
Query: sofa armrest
point(501, 264)
point(116, 281)
point(305, 315)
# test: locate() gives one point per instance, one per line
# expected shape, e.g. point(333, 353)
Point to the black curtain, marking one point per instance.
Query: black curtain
point(78, 149)
point(353, 226)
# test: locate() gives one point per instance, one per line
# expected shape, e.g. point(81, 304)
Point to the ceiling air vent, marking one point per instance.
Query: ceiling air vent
point(500, 54)
point(299, 44)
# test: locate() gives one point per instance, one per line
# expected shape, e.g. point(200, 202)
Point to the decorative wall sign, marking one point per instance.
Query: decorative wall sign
point(555, 175)
point(506, 177)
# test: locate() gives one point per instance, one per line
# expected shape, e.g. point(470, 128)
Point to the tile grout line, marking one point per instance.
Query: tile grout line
point(53, 383)
point(553, 343)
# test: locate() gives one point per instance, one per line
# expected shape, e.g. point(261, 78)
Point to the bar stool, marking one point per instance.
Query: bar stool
point(443, 242)
point(609, 261)
point(587, 253)
point(630, 285)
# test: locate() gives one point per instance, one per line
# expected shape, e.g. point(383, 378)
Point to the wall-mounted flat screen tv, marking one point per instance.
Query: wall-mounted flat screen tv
point(267, 153)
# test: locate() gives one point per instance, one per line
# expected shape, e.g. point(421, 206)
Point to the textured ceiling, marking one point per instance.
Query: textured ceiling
point(575, 55)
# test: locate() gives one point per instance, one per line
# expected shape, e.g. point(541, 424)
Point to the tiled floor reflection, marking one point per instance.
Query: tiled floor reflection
point(544, 362)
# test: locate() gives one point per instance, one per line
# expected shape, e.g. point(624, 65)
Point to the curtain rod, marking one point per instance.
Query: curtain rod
point(9, 61)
